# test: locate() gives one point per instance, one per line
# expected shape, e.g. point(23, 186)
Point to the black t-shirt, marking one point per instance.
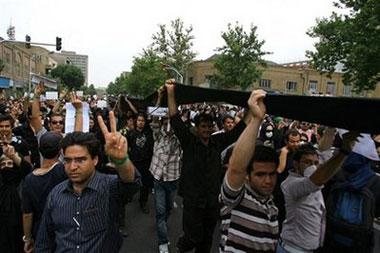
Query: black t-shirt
point(27, 134)
point(36, 189)
point(140, 145)
point(10, 179)
point(20, 146)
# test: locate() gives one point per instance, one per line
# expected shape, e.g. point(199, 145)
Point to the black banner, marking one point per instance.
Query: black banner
point(361, 114)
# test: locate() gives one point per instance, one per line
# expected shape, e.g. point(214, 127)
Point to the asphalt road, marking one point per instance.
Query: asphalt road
point(141, 228)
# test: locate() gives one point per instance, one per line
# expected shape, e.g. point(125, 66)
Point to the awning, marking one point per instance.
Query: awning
point(4, 82)
point(36, 79)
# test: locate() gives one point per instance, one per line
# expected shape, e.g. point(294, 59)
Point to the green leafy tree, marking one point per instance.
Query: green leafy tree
point(118, 86)
point(69, 75)
point(146, 75)
point(89, 90)
point(173, 45)
point(352, 39)
point(239, 59)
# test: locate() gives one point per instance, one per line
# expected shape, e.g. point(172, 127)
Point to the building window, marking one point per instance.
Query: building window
point(210, 81)
point(18, 66)
point(191, 80)
point(313, 87)
point(8, 62)
point(265, 83)
point(346, 90)
point(291, 86)
point(330, 88)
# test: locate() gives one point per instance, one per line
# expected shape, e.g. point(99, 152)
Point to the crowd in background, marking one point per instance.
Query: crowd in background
point(171, 153)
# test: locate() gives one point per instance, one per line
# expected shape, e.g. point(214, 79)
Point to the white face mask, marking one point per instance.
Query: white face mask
point(269, 134)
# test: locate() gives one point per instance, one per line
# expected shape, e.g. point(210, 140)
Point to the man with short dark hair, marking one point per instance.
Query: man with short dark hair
point(304, 227)
point(38, 184)
point(249, 216)
point(141, 144)
point(201, 173)
point(292, 141)
point(228, 124)
point(81, 213)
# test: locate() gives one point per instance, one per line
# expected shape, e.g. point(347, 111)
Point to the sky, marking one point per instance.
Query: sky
point(112, 32)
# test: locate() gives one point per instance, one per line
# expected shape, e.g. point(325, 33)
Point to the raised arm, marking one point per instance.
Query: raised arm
point(57, 105)
point(133, 108)
point(172, 105)
point(116, 147)
point(328, 169)
point(78, 105)
point(35, 121)
point(245, 146)
point(181, 131)
point(326, 142)
point(283, 158)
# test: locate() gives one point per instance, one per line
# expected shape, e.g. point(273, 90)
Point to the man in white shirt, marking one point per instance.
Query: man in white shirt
point(304, 227)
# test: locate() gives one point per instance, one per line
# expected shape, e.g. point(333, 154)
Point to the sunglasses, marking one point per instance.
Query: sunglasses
point(54, 122)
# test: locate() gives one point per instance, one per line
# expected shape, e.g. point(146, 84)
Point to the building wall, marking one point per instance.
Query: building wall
point(278, 76)
point(20, 61)
point(17, 61)
point(78, 60)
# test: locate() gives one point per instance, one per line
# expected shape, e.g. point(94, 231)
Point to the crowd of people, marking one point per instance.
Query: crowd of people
point(273, 184)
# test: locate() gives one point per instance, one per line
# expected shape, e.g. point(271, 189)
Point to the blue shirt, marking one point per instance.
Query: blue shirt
point(81, 223)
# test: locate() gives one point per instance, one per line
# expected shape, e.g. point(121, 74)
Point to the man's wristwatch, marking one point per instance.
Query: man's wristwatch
point(26, 239)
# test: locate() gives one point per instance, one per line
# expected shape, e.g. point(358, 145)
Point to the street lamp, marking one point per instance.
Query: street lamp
point(34, 58)
point(168, 67)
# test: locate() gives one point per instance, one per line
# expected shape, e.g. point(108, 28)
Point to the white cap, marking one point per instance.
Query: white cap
point(365, 146)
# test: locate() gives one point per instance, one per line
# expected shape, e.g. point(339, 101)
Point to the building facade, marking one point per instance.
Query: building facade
point(21, 64)
point(290, 78)
point(78, 60)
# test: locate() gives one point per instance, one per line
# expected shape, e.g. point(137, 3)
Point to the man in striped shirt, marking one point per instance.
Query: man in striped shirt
point(249, 216)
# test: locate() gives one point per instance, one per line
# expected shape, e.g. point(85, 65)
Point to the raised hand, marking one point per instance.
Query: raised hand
point(256, 104)
point(116, 144)
point(62, 94)
point(349, 140)
point(170, 84)
point(75, 100)
point(9, 151)
point(40, 88)
point(28, 246)
point(161, 91)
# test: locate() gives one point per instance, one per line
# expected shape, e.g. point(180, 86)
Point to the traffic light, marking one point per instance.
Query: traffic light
point(58, 43)
point(27, 41)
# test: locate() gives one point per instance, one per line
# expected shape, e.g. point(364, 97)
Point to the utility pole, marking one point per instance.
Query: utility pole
point(168, 67)
point(34, 58)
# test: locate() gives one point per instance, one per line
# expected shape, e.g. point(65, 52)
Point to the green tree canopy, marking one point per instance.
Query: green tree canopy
point(147, 74)
point(352, 39)
point(69, 75)
point(171, 46)
point(237, 64)
point(89, 90)
point(174, 45)
point(118, 86)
